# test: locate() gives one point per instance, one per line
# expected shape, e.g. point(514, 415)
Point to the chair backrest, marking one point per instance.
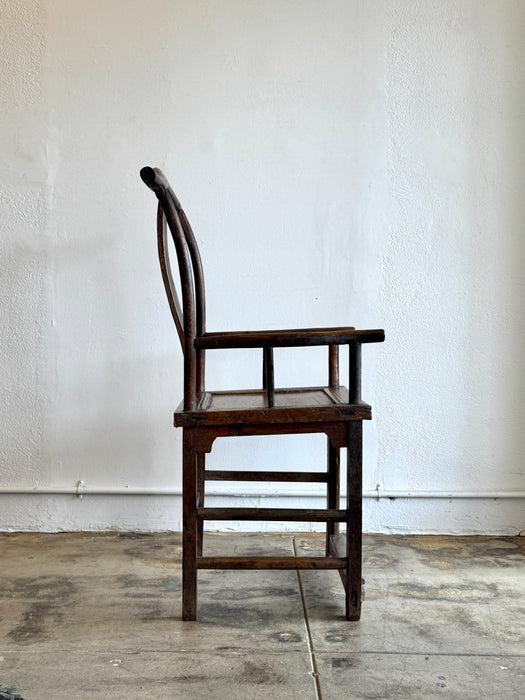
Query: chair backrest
point(190, 318)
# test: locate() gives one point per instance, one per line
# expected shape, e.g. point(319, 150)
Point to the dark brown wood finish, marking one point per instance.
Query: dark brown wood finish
point(332, 491)
point(201, 483)
point(205, 416)
point(302, 405)
point(294, 515)
point(165, 268)
point(271, 563)
point(268, 375)
point(299, 337)
point(333, 365)
point(230, 475)
point(354, 527)
point(354, 390)
point(189, 523)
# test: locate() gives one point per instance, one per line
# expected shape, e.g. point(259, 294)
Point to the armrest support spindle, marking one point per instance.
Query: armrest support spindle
point(354, 387)
point(333, 365)
point(268, 377)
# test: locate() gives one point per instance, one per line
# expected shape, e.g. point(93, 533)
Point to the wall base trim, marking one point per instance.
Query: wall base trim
point(154, 513)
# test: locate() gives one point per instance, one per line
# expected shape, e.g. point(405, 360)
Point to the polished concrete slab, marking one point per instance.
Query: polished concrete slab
point(76, 674)
point(432, 595)
point(90, 614)
point(420, 676)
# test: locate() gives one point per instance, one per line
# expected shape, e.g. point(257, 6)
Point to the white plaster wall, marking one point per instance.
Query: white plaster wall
point(343, 162)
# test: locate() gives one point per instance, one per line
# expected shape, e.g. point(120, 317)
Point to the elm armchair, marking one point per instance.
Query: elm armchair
point(204, 415)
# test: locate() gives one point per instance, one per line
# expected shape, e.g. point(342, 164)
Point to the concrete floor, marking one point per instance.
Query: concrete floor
point(98, 615)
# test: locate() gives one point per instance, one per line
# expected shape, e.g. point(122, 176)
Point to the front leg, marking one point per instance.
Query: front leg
point(201, 466)
point(354, 520)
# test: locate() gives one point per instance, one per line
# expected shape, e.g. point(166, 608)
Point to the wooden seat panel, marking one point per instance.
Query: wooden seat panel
point(305, 404)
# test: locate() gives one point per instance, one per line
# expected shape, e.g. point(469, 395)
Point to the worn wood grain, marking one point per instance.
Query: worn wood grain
point(287, 563)
point(232, 475)
point(301, 337)
point(295, 515)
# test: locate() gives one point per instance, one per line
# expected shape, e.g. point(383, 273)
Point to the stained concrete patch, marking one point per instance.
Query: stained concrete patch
point(252, 602)
point(141, 587)
point(164, 675)
point(473, 592)
point(55, 588)
point(86, 554)
point(287, 637)
point(246, 593)
point(153, 550)
point(465, 552)
point(245, 544)
point(9, 694)
point(410, 606)
point(41, 601)
point(120, 591)
point(407, 677)
point(251, 617)
point(36, 622)
point(379, 561)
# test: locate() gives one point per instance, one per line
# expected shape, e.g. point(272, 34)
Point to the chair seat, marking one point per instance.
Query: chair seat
point(297, 405)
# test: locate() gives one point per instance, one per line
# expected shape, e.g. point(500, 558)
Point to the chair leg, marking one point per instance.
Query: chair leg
point(354, 520)
point(189, 528)
point(332, 491)
point(201, 465)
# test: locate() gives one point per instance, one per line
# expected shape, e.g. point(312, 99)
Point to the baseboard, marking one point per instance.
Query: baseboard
point(399, 515)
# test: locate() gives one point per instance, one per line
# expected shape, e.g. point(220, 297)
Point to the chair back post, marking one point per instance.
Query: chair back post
point(167, 278)
point(155, 180)
point(200, 292)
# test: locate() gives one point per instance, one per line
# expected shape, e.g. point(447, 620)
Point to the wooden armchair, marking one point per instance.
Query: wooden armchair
point(204, 416)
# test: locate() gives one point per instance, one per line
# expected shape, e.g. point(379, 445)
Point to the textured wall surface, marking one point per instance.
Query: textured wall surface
point(344, 162)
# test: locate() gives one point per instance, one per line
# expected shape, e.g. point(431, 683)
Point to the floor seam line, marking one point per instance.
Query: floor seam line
point(423, 653)
point(313, 661)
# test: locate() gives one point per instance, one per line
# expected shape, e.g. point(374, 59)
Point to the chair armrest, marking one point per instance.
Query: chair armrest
point(288, 338)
